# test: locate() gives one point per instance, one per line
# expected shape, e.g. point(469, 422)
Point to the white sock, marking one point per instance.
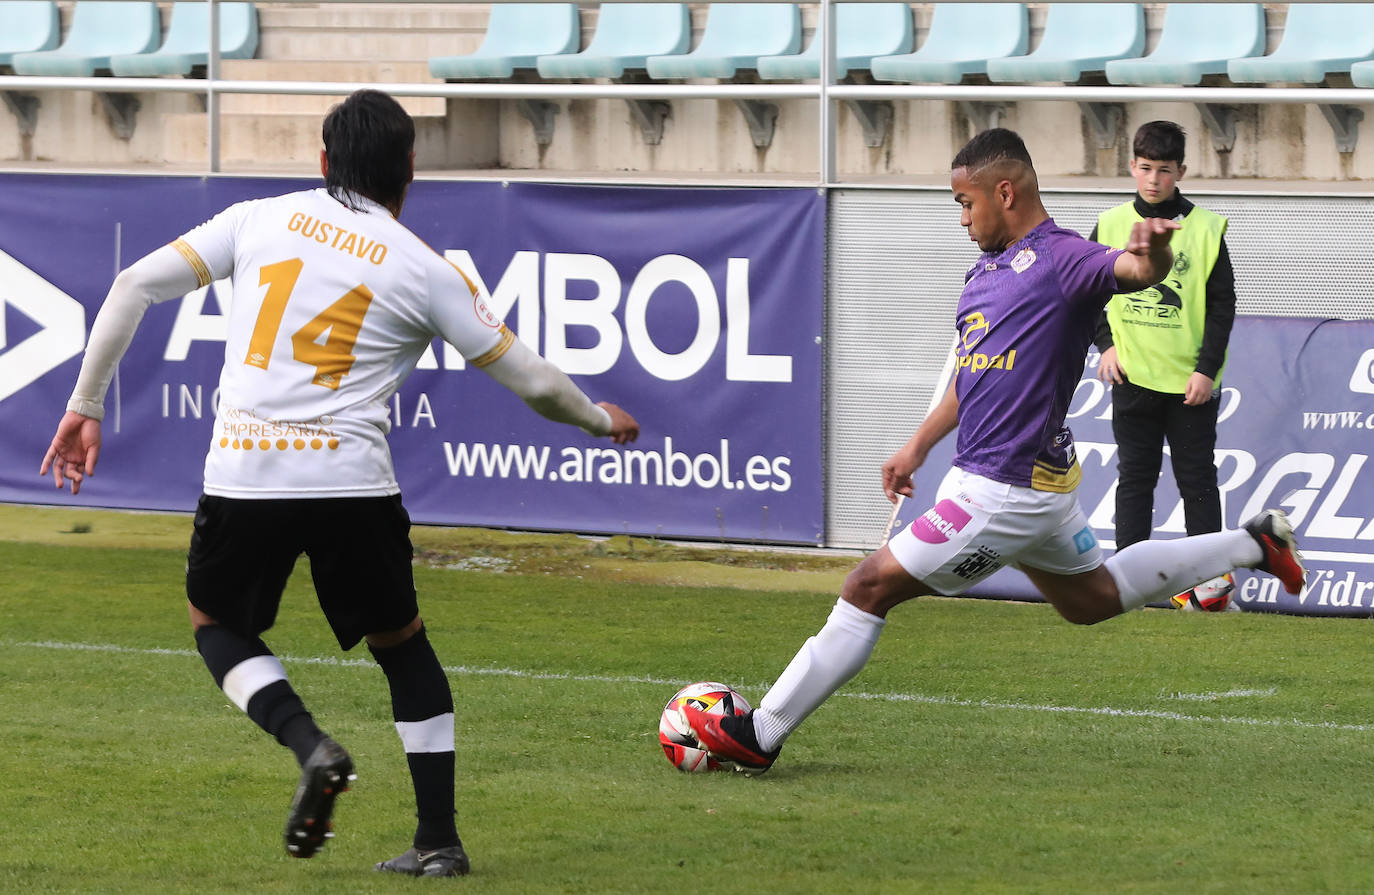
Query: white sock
point(821, 667)
point(1155, 570)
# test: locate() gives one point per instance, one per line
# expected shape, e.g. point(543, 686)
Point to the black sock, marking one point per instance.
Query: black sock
point(420, 693)
point(272, 704)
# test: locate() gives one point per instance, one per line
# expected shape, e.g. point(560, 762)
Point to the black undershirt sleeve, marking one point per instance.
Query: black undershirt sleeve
point(1221, 314)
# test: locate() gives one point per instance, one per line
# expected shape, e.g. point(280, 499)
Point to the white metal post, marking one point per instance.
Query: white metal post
point(825, 33)
point(211, 96)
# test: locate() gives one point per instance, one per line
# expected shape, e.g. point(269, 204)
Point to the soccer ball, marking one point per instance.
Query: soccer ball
point(677, 739)
point(1209, 596)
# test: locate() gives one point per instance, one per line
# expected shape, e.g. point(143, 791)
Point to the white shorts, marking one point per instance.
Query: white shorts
point(978, 525)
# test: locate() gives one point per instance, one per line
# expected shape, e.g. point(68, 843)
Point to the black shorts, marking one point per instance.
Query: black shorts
point(242, 552)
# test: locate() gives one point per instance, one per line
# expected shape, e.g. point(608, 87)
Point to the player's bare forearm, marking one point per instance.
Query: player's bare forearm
point(897, 471)
point(1148, 257)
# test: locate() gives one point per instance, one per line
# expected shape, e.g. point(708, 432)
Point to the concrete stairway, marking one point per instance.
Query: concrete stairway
point(368, 32)
point(364, 44)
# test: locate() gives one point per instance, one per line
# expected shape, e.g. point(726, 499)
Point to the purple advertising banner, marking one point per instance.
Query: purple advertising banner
point(1295, 431)
point(697, 310)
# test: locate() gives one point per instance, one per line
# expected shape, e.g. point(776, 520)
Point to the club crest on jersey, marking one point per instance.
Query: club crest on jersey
point(484, 313)
point(975, 327)
point(1024, 258)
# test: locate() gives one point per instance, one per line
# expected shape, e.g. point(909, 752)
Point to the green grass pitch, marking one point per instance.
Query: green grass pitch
point(987, 747)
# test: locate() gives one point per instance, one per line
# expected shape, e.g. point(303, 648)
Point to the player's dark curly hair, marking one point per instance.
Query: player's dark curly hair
point(368, 139)
point(1159, 141)
point(995, 145)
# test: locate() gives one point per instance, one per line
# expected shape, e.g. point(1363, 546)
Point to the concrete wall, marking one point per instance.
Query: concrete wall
point(382, 43)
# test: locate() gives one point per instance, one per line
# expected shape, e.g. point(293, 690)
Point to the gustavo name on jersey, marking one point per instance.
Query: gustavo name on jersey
point(337, 237)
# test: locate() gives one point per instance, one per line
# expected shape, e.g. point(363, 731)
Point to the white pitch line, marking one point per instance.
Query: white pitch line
point(918, 698)
point(1111, 712)
point(1213, 696)
point(336, 662)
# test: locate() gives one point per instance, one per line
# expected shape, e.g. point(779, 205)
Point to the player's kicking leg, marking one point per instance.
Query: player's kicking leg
point(1152, 571)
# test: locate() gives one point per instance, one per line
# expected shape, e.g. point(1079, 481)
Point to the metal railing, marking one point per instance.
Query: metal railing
point(1342, 106)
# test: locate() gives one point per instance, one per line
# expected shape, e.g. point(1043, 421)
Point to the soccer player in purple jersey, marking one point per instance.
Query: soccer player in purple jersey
point(1025, 319)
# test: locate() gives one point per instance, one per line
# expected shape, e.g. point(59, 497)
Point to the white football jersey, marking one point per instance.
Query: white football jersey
point(331, 310)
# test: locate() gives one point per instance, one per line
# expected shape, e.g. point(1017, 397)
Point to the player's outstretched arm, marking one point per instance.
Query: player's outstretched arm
point(1147, 258)
point(161, 275)
point(551, 394)
point(898, 469)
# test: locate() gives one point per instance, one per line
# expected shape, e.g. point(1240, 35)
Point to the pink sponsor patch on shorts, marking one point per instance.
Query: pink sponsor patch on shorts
point(941, 522)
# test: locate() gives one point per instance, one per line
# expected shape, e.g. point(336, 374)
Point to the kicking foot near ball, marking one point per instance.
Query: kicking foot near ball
point(729, 738)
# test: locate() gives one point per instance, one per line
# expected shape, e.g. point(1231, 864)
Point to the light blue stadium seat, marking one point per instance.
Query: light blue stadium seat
point(627, 34)
point(1362, 74)
point(100, 29)
point(962, 38)
point(27, 26)
point(188, 40)
point(736, 35)
point(1197, 39)
point(517, 35)
point(1078, 38)
point(1318, 39)
point(862, 31)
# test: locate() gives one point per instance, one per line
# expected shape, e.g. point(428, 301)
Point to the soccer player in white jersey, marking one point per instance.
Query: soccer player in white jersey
point(1025, 320)
point(334, 302)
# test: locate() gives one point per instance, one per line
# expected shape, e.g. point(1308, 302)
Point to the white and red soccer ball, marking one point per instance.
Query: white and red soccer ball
point(677, 739)
point(1209, 596)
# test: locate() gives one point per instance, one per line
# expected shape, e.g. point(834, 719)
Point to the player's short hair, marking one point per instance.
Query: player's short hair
point(1159, 141)
point(368, 139)
point(990, 146)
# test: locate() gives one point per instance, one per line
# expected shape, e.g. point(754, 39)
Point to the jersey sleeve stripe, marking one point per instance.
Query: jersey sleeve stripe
point(193, 258)
point(471, 287)
point(502, 346)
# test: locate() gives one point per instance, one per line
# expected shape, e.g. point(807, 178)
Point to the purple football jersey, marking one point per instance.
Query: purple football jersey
point(1025, 320)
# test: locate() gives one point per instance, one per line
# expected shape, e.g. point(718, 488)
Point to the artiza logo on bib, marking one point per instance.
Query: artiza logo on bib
point(61, 322)
point(941, 522)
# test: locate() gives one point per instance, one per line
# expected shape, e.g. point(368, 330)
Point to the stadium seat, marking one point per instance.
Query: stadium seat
point(862, 31)
point(100, 29)
point(1197, 39)
point(188, 40)
point(962, 38)
point(27, 26)
point(1362, 74)
point(627, 34)
point(1078, 38)
point(517, 35)
point(736, 35)
point(1318, 39)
